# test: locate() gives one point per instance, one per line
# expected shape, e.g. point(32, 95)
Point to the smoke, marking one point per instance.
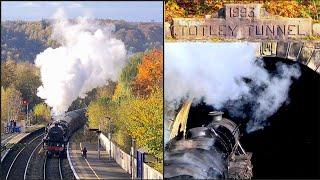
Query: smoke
point(88, 56)
point(226, 75)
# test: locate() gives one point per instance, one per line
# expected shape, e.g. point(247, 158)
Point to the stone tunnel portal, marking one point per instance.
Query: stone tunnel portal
point(289, 146)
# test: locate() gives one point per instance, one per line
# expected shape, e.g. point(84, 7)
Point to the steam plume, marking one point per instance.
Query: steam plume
point(216, 73)
point(87, 58)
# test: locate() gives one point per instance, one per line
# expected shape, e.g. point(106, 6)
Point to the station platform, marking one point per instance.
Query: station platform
point(7, 140)
point(12, 138)
point(93, 167)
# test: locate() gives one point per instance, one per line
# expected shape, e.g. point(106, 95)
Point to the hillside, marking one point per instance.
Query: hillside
point(23, 40)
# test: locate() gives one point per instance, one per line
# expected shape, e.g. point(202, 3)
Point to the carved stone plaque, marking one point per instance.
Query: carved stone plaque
point(242, 22)
point(248, 11)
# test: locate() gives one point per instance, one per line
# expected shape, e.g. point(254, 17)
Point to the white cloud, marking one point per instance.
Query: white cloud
point(30, 4)
point(75, 5)
point(54, 3)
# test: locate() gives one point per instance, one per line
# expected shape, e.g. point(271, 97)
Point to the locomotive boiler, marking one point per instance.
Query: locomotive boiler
point(59, 131)
point(208, 152)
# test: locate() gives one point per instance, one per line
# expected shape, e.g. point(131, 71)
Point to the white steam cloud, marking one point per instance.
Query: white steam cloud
point(87, 58)
point(223, 74)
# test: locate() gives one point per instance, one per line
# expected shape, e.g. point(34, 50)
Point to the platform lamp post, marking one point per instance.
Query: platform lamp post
point(133, 149)
point(109, 136)
point(25, 102)
point(9, 118)
point(98, 133)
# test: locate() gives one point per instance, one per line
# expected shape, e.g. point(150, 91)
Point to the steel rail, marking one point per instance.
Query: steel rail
point(25, 170)
point(14, 162)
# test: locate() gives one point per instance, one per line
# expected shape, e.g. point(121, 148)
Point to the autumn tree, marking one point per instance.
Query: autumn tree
point(8, 74)
point(27, 81)
point(129, 72)
point(96, 113)
point(42, 112)
point(294, 9)
point(107, 90)
point(24, 77)
point(200, 8)
point(11, 104)
point(150, 73)
point(23, 40)
point(172, 10)
point(135, 108)
point(142, 120)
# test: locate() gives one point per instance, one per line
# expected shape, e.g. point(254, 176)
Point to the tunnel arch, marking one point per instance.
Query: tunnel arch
point(306, 53)
point(289, 146)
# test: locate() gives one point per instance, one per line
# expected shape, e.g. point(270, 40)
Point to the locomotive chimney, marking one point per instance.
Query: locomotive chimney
point(216, 115)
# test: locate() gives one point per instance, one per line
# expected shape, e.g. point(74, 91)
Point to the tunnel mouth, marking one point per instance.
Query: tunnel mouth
point(289, 145)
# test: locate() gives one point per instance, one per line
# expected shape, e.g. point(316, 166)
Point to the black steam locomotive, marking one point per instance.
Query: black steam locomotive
point(59, 131)
point(210, 152)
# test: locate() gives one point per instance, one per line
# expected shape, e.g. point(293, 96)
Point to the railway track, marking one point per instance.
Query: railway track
point(34, 164)
point(52, 169)
point(42, 167)
point(26, 160)
point(17, 160)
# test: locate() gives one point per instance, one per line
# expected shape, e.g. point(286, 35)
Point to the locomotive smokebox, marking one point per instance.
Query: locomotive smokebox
point(56, 133)
point(216, 115)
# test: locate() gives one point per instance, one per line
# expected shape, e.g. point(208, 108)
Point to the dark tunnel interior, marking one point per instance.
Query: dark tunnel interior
point(289, 147)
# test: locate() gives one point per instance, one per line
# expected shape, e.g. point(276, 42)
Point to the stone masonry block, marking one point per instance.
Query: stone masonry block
point(305, 54)
point(282, 48)
point(294, 50)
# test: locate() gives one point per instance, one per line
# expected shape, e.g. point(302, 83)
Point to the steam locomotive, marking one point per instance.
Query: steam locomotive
point(208, 152)
point(59, 131)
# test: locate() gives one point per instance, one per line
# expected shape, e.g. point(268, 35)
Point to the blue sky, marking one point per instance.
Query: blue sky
point(139, 11)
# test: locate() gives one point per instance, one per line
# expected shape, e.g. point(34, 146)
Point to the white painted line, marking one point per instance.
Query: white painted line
point(14, 161)
point(44, 167)
point(90, 165)
point(25, 170)
point(71, 165)
point(60, 171)
point(92, 169)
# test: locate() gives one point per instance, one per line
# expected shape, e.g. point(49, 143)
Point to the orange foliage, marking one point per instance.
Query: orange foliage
point(172, 10)
point(199, 8)
point(294, 9)
point(150, 73)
